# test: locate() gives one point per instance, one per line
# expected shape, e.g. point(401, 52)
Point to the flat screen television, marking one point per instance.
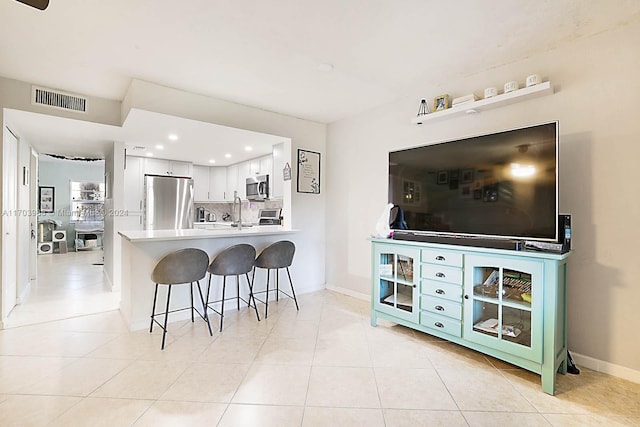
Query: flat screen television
point(502, 185)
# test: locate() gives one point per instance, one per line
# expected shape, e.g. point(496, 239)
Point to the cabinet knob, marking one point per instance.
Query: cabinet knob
point(440, 275)
point(415, 286)
point(466, 297)
point(440, 258)
point(439, 308)
point(439, 325)
point(440, 291)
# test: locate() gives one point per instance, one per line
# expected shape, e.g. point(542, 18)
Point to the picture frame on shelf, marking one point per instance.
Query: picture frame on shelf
point(441, 102)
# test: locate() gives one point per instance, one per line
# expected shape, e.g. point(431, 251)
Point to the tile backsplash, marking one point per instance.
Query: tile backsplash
point(250, 209)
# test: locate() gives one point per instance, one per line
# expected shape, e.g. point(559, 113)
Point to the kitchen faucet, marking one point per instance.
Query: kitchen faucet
point(236, 197)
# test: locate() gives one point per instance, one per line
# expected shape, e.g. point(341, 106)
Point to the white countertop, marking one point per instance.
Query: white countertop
point(203, 233)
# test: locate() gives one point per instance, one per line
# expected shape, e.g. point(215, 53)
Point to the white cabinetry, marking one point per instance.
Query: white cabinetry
point(167, 167)
point(266, 166)
point(201, 183)
point(232, 181)
point(218, 183)
point(209, 183)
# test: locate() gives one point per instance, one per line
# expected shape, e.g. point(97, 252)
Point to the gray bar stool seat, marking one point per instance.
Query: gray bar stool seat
point(180, 267)
point(233, 261)
point(274, 257)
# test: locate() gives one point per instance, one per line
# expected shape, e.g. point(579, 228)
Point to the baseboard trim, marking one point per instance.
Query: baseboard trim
point(349, 292)
point(606, 367)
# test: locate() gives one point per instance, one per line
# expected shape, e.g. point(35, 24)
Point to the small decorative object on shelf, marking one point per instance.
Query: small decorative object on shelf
point(490, 91)
point(510, 86)
point(441, 102)
point(533, 79)
point(423, 109)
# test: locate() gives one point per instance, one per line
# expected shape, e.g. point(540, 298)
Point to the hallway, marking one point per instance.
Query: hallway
point(68, 285)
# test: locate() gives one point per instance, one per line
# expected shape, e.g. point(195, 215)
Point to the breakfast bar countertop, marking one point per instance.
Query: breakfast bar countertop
point(203, 233)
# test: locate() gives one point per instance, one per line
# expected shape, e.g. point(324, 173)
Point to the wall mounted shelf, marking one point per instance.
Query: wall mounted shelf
point(501, 100)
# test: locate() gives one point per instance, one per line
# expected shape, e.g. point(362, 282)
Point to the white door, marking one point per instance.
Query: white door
point(9, 222)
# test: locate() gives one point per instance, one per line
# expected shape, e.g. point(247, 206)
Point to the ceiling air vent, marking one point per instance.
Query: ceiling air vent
point(59, 100)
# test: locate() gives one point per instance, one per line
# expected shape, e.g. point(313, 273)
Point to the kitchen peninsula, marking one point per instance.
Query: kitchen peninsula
point(141, 250)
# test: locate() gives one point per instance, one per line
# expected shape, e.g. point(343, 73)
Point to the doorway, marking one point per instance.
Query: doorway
point(69, 279)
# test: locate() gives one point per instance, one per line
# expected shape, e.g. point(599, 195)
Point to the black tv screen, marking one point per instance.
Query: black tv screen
point(500, 185)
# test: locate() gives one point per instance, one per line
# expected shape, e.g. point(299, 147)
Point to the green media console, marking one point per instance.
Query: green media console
point(504, 303)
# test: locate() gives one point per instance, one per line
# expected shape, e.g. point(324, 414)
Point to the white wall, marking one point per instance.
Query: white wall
point(597, 87)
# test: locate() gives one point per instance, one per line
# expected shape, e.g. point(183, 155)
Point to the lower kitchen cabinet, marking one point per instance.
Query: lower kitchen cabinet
point(507, 304)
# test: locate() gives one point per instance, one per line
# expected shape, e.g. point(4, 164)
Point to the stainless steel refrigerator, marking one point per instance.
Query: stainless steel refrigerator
point(168, 203)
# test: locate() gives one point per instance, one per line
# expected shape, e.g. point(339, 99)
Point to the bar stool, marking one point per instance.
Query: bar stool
point(180, 267)
point(274, 257)
point(233, 261)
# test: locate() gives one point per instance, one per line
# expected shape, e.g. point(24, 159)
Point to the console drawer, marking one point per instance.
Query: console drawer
point(449, 291)
point(442, 273)
point(441, 307)
point(436, 256)
point(441, 323)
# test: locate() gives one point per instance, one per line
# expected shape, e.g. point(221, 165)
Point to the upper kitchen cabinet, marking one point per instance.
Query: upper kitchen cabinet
point(232, 182)
point(201, 183)
point(218, 183)
point(266, 166)
point(209, 183)
point(167, 167)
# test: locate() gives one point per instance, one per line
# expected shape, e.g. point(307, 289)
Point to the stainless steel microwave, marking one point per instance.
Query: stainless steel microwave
point(258, 187)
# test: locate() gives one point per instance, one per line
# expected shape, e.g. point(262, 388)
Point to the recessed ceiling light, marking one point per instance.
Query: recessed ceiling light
point(247, 148)
point(160, 147)
point(325, 66)
point(212, 161)
point(227, 155)
point(173, 137)
point(149, 154)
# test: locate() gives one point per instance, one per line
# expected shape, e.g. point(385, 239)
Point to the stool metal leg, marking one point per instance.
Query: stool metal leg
point(166, 317)
point(191, 292)
point(255, 304)
point(266, 298)
point(204, 307)
point(292, 290)
point(277, 273)
point(224, 286)
point(238, 291)
point(153, 310)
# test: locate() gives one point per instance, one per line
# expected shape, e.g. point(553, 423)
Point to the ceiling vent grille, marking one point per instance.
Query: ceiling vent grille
point(59, 100)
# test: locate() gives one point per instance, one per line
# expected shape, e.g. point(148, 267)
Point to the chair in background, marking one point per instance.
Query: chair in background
point(180, 267)
point(274, 257)
point(233, 261)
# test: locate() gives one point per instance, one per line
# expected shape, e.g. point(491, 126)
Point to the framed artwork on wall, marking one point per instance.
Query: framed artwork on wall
point(46, 199)
point(308, 172)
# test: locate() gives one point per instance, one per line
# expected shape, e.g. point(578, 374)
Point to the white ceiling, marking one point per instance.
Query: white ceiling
point(267, 53)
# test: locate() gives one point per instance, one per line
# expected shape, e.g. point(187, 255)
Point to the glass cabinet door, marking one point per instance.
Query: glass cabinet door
point(397, 274)
point(502, 305)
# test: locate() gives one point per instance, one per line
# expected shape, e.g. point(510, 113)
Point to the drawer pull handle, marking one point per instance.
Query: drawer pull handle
point(440, 258)
point(440, 275)
point(439, 325)
point(440, 292)
point(439, 308)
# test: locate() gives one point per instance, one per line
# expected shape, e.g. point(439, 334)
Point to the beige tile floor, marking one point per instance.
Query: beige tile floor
point(322, 366)
point(68, 285)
